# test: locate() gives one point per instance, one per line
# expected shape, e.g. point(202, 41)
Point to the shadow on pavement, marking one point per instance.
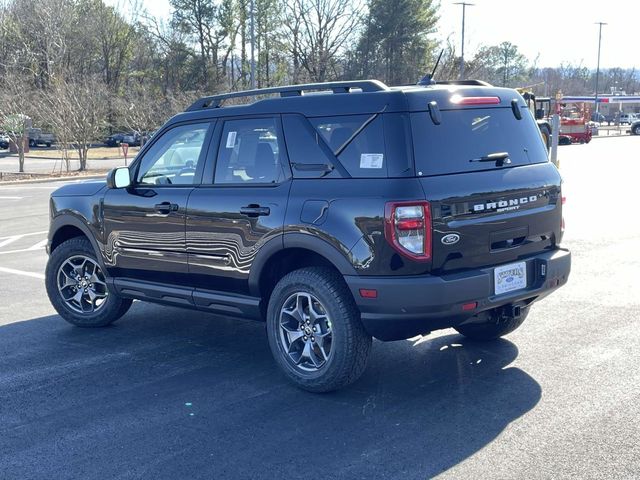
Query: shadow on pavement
point(166, 393)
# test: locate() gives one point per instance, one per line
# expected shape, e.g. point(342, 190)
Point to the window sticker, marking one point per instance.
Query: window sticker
point(231, 139)
point(371, 160)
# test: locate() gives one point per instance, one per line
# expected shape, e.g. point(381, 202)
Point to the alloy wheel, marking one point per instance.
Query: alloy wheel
point(305, 331)
point(82, 284)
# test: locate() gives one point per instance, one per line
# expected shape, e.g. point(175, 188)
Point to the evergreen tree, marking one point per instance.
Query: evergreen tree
point(395, 45)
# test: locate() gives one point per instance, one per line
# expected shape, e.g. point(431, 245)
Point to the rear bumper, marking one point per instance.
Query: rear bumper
point(410, 306)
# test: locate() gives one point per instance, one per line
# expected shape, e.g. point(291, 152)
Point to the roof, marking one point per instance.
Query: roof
point(343, 98)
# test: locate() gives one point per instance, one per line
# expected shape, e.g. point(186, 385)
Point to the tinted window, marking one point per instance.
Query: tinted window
point(469, 134)
point(174, 157)
point(249, 152)
point(364, 154)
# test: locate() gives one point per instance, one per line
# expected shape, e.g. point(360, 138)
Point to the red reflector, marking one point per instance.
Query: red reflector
point(564, 200)
point(368, 293)
point(410, 224)
point(469, 306)
point(460, 100)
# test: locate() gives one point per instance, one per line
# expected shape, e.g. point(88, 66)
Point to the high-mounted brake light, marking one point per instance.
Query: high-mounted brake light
point(408, 228)
point(460, 100)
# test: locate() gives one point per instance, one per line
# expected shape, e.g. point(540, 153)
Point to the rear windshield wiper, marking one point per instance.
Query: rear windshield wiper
point(501, 158)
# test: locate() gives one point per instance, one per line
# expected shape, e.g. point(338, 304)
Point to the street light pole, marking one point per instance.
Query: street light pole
point(598, 67)
point(464, 9)
point(252, 75)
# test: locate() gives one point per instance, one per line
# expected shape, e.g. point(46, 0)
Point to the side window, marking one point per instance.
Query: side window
point(364, 153)
point(173, 158)
point(249, 153)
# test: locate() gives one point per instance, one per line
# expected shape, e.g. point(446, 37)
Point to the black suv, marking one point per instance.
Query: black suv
point(335, 212)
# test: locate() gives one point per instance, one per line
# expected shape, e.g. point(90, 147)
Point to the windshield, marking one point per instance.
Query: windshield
point(466, 136)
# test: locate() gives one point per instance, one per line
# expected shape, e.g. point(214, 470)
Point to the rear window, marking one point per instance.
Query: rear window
point(466, 135)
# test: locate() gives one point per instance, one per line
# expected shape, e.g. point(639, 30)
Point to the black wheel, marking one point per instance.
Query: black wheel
point(315, 332)
point(496, 327)
point(636, 130)
point(48, 144)
point(77, 288)
point(32, 143)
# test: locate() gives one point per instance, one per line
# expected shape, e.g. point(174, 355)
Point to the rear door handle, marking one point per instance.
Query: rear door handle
point(255, 211)
point(166, 208)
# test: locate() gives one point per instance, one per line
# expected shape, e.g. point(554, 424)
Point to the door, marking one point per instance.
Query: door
point(144, 225)
point(239, 206)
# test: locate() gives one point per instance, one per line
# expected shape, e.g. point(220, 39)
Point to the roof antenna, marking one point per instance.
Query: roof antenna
point(428, 78)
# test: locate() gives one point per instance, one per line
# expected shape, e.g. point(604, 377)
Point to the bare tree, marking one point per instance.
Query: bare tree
point(15, 105)
point(77, 110)
point(320, 30)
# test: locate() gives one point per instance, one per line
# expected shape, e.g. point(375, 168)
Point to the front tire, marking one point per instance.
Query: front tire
point(314, 330)
point(77, 287)
point(495, 328)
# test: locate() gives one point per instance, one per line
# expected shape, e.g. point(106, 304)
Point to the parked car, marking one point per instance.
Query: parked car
point(390, 213)
point(627, 118)
point(635, 128)
point(130, 138)
point(598, 117)
point(4, 141)
point(37, 138)
point(114, 140)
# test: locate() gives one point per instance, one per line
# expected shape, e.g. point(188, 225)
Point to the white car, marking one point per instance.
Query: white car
point(627, 118)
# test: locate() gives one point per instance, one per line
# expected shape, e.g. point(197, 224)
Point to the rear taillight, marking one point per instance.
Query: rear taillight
point(408, 228)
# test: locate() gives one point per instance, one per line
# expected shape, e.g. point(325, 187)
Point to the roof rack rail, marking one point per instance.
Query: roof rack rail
point(215, 101)
point(480, 83)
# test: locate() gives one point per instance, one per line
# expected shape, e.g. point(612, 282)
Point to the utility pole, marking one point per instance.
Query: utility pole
point(598, 68)
point(464, 9)
point(252, 75)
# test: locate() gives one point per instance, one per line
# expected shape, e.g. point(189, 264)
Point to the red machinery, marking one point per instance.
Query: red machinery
point(574, 122)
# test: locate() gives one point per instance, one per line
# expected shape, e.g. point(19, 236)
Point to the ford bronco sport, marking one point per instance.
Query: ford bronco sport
point(335, 212)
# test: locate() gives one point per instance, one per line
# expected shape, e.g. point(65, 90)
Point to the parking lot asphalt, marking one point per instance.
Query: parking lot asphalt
point(169, 393)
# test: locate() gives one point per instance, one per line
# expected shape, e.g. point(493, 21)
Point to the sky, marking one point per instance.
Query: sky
point(555, 31)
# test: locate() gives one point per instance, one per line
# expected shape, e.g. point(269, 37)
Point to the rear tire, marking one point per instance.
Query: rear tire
point(492, 330)
point(636, 130)
point(77, 288)
point(314, 330)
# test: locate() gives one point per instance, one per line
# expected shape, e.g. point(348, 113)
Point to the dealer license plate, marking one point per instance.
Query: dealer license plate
point(508, 278)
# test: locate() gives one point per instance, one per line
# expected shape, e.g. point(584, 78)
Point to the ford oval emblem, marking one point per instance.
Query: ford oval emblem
point(450, 239)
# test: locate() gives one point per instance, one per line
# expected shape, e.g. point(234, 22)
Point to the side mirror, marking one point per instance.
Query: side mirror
point(119, 178)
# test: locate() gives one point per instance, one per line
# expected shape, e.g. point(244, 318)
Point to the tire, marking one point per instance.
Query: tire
point(493, 329)
point(32, 143)
point(636, 130)
point(81, 309)
point(327, 308)
point(545, 132)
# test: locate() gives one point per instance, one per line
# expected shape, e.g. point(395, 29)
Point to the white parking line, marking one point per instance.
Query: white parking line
point(24, 234)
point(11, 198)
point(39, 245)
point(4, 241)
point(39, 276)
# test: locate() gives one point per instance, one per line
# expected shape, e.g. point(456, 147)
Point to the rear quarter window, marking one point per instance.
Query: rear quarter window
point(357, 141)
point(465, 135)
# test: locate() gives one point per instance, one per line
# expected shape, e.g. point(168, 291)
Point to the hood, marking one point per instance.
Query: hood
point(80, 189)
